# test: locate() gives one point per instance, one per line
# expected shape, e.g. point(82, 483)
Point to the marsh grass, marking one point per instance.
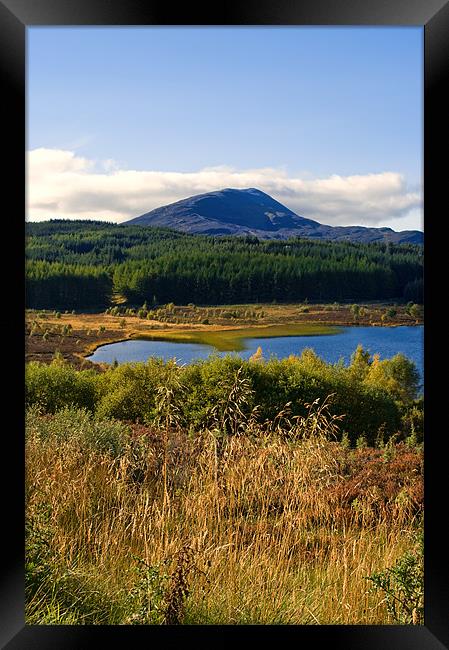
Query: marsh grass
point(276, 524)
point(234, 339)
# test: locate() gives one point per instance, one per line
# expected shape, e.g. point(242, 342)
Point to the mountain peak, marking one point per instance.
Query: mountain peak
point(251, 211)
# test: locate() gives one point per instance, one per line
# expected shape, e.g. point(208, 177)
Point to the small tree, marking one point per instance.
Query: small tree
point(398, 375)
point(360, 363)
point(361, 442)
point(355, 310)
point(257, 356)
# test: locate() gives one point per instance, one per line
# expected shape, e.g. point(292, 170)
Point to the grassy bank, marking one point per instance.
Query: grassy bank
point(276, 524)
point(234, 339)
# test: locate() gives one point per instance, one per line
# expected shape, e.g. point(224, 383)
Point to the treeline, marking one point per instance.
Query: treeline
point(81, 263)
point(62, 285)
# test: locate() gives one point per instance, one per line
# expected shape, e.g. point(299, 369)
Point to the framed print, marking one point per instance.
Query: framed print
point(226, 435)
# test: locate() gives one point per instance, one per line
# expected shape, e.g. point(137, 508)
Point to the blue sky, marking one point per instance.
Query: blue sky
point(322, 118)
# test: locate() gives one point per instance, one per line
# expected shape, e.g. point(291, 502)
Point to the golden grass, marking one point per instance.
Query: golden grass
point(272, 538)
point(234, 339)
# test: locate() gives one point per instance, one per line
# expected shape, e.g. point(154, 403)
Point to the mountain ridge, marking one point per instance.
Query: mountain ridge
point(252, 212)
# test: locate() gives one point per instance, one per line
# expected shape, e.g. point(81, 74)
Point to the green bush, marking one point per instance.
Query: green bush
point(58, 384)
point(207, 382)
point(71, 595)
point(372, 395)
point(128, 391)
point(81, 427)
point(298, 381)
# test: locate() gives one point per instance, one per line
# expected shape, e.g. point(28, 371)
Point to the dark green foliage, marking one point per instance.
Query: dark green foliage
point(80, 264)
point(57, 284)
point(38, 535)
point(146, 599)
point(128, 391)
point(414, 291)
point(413, 422)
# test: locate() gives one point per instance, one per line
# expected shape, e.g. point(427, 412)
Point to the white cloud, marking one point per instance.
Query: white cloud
point(65, 185)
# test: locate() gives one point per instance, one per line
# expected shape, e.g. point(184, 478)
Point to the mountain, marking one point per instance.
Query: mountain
point(252, 212)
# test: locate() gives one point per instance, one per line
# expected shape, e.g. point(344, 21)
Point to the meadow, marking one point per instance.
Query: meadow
point(136, 525)
point(226, 492)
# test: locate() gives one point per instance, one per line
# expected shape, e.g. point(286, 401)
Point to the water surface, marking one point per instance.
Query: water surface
point(386, 341)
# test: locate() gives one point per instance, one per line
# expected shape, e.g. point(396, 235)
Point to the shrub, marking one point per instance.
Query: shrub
point(371, 395)
point(70, 596)
point(128, 391)
point(208, 382)
point(355, 310)
point(58, 384)
point(146, 598)
point(80, 426)
point(413, 423)
point(397, 375)
point(416, 311)
point(403, 586)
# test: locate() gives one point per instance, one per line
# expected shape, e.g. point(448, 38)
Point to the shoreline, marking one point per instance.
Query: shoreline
point(77, 336)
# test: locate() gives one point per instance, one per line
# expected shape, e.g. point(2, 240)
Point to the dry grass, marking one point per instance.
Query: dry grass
point(269, 526)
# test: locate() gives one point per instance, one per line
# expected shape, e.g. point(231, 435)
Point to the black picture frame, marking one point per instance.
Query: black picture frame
point(433, 16)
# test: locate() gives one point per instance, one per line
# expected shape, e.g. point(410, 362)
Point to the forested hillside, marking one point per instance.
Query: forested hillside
point(76, 264)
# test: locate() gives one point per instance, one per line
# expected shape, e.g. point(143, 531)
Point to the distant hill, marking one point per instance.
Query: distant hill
point(252, 212)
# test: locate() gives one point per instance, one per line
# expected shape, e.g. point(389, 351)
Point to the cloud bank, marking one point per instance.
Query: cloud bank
point(62, 184)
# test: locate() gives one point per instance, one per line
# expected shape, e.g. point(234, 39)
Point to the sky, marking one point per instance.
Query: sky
point(327, 120)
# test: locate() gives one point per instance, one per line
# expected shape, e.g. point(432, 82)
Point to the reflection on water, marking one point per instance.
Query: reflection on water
point(386, 341)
